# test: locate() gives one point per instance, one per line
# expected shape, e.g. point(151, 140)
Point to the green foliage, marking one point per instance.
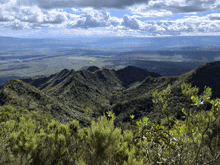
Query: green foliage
point(111, 115)
point(18, 133)
point(29, 137)
point(106, 145)
point(183, 142)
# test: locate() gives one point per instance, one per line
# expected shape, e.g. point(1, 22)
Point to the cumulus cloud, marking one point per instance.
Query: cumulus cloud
point(165, 27)
point(188, 25)
point(35, 14)
point(92, 19)
point(214, 16)
point(54, 17)
point(115, 21)
point(31, 17)
point(5, 18)
point(162, 8)
point(29, 14)
point(193, 25)
point(15, 25)
point(6, 11)
point(146, 8)
point(130, 22)
point(75, 10)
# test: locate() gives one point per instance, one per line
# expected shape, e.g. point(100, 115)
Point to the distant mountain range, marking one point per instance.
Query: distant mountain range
point(87, 94)
point(168, 56)
point(98, 43)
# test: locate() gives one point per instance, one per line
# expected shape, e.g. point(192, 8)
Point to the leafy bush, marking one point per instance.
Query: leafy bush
point(191, 141)
point(30, 137)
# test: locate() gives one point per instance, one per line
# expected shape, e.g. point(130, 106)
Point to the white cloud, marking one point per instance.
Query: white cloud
point(35, 14)
point(150, 11)
point(29, 14)
point(31, 17)
point(92, 19)
point(5, 17)
point(115, 21)
point(193, 24)
point(214, 16)
point(15, 25)
point(162, 8)
point(75, 10)
point(54, 17)
point(130, 22)
point(188, 25)
point(6, 11)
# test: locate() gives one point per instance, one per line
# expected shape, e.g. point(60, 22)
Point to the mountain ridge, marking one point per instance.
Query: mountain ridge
point(87, 94)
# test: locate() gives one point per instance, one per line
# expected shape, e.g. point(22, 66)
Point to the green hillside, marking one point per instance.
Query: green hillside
point(148, 119)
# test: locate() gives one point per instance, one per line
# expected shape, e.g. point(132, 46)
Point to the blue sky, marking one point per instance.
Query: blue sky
point(139, 18)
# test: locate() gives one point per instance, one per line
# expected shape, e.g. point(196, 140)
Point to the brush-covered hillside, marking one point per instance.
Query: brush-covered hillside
point(103, 116)
point(71, 94)
point(87, 94)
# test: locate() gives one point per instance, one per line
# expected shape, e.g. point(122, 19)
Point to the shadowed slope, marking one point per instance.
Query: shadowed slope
point(207, 74)
point(138, 99)
point(132, 74)
point(92, 68)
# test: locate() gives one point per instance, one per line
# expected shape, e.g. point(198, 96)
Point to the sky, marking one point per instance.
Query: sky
point(137, 18)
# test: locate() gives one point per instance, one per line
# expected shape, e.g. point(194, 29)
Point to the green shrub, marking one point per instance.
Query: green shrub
point(29, 137)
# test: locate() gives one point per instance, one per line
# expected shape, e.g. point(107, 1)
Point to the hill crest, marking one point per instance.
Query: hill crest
point(79, 94)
